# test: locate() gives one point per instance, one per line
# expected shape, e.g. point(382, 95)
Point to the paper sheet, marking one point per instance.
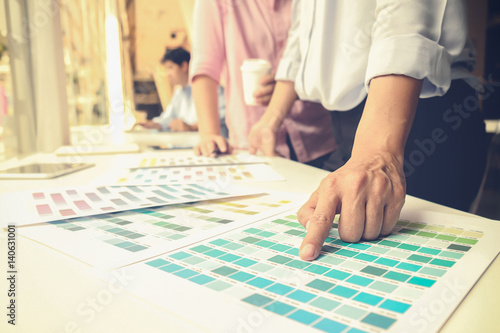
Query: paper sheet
point(251, 279)
point(189, 175)
point(29, 207)
point(155, 160)
point(112, 240)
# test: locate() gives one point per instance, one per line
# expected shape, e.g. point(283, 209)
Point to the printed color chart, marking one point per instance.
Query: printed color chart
point(185, 159)
point(49, 205)
point(122, 238)
point(190, 175)
point(254, 276)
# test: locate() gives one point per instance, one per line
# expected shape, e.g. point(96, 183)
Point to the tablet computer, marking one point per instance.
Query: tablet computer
point(42, 170)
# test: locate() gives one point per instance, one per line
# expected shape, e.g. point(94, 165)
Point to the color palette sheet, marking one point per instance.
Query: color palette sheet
point(222, 174)
point(155, 160)
point(112, 240)
point(29, 207)
point(251, 279)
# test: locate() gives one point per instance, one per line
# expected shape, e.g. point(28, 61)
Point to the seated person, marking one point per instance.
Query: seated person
point(180, 114)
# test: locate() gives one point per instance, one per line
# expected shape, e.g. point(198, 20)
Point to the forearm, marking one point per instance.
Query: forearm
point(387, 116)
point(205, 96)
point(284, 96)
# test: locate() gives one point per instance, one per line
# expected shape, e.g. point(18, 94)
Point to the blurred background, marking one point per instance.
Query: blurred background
point(70, 66)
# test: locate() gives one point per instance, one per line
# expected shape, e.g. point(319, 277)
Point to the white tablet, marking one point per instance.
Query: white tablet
point(42, 170)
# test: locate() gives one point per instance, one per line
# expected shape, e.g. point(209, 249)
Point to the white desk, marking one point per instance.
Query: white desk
point(57, 294)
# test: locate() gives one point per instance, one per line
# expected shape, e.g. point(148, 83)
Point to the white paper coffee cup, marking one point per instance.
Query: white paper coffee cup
point(252, 71)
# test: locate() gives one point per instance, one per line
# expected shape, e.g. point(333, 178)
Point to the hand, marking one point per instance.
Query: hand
point(212, 145)
point(177, 125)
point(148, 124)
point(368, 192)
point(264, 93)
point(262, 137)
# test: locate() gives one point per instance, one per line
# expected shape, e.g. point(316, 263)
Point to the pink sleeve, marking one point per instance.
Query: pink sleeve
point(208, 47)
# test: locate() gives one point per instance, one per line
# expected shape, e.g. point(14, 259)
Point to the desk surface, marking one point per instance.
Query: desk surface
point(57, 293)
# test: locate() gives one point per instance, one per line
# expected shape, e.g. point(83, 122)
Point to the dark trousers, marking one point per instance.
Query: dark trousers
point(445, 154)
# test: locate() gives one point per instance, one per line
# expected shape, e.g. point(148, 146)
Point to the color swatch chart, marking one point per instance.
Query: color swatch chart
point(185, 159)
point(49, 205)
point(122, 238)
point(374, 286)
point(189, 175)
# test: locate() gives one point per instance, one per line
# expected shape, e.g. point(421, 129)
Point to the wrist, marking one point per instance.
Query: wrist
point(274, 118)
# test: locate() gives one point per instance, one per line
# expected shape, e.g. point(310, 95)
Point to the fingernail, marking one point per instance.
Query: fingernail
point(308, 252)
point(307, 225)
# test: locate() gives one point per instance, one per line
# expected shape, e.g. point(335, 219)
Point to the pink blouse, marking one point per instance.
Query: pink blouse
point(226, 32)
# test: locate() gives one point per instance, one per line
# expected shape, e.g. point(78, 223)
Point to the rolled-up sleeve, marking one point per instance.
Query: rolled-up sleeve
point(418, 39)
point(290, 61)
point(208, 47)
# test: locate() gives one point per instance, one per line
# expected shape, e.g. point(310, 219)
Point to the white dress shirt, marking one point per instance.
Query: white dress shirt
point(182, 106)
point(335, 47)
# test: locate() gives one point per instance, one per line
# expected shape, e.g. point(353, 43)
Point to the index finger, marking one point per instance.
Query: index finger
point(319, 226)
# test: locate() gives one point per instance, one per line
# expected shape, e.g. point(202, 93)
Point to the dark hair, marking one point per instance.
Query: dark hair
point(178, 55)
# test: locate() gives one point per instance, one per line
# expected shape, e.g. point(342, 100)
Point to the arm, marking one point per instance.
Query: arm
point(262, 136)
point(205, 94)
point(209, 56)
point(369, 190)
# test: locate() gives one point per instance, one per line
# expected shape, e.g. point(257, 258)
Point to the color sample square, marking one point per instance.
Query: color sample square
point(350, 311)
point(279, 259)
point(298, 264)
point(369, 299)
point(366, 257)
point(279, 308)
point(280, 289)
point(241, 276)
point(408, 247)
point(245, 262)
point(428, 250)
point(202, 279)
point(374, 270)
point(359, 280)
point(303, 316)
point(317, 269)
point(383, 287)
point(157, 263)
point(387, 262)
point(330, 326)
point(186, 273)
point(257, 300)
point(260, 282)
point(224, 270)
point(301, 296)
point(423, 282)
point(324, 303)
point(396, 276)
point(346, 253)
point(419, 258)
point(229, 257)
point(180, 255)
point(338, 275)
point(219, 242)
point(280, 247)
point(442, 262)
point(378, 320)
point(343, 291)
point(395, 306)
point(409, 267)
point(214, 253)
point(320, 285)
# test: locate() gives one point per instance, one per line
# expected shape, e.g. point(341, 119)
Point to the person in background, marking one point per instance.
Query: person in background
point(180, 115)
point(227, 32)
point(372, 61)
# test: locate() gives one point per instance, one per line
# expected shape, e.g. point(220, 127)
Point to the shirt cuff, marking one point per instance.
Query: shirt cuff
point(287, 70)
point(416, 57)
